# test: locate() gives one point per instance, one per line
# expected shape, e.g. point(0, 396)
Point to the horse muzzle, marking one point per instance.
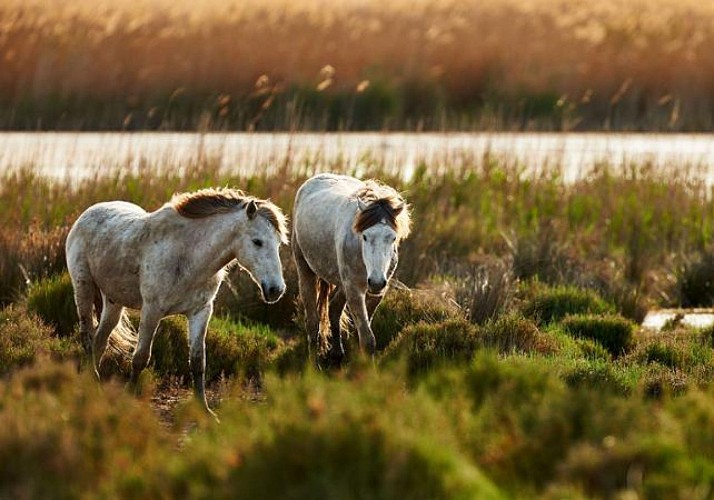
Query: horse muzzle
point(376, 286)
point(271, 292)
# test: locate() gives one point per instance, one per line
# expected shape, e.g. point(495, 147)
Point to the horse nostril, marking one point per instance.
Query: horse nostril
point(376, 285)
point(271, 292)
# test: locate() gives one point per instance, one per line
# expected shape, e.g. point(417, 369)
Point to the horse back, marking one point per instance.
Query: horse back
point(104, 245)
point(107, 223)
point(322, 222)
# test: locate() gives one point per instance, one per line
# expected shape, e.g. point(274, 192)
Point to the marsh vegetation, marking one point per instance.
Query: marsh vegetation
point(510, 359)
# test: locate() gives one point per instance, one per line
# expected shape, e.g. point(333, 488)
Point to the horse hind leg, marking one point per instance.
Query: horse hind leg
point(110, 317)
point(307, 285)
point(85, 291)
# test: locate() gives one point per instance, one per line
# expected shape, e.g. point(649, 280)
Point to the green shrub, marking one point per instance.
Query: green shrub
point(614, 333)
point(661, 381)
point(523, 419)
point(169, 353)
point(64, 436)
point(24, 338)
point(319, 437)
point(592, 350)
point(599, 374)
point(426, 345)
point(52, 299)
point(239, 297)
point(232, 348)
point(400, 308)
point(606, 470)
point(659, 352)
point(291, 356)
point(682, 350)
point(514, 333)
point(694, 410)
point(547, 304)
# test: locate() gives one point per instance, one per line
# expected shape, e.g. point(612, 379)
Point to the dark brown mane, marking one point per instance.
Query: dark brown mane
point(383, 204)
point(211, 201)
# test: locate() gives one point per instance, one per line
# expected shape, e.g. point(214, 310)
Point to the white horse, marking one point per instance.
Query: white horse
point(346, 233)
point(170, 261)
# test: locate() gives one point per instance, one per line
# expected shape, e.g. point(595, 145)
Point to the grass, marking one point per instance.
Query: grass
point(153, 64)
point(509, 369)
point(614, 333)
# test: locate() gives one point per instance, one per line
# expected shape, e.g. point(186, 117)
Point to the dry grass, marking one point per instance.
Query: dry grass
point(610, 64)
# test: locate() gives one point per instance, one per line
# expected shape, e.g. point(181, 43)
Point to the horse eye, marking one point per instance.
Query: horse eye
point(364, 237)
point(258, 243)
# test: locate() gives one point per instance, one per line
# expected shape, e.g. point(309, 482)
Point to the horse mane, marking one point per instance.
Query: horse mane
point(211, 201)
point(383, 203)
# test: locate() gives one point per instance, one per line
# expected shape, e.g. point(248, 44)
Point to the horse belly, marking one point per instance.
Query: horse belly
point(121, 285)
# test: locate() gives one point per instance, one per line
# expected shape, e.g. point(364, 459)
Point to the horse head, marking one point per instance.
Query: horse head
point(258, 247)
point(377, 225)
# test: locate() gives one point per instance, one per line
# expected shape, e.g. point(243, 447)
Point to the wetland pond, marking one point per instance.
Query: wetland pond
point(86, 154)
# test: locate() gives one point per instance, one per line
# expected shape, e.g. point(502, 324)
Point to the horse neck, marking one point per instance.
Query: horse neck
point(213, 243)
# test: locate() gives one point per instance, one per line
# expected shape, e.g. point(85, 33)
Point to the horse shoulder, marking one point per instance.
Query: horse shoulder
point(349, 252)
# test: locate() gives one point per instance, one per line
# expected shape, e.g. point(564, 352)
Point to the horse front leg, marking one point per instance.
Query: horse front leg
point(373, 302)
point(358, 308)
point(337, 306)
point(197, 327)
point(150, 318)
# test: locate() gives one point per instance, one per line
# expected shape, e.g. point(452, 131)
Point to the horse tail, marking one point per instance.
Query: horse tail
point(123, 339)
point(323, 300)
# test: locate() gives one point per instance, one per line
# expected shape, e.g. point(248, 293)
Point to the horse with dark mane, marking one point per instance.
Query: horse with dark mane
point(170, 261)
point(345, 239)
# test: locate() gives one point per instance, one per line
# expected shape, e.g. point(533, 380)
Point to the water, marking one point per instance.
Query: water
point(79, 155)
point(696, 318)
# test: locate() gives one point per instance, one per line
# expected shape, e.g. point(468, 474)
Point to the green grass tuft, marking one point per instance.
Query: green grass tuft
point(401, 308)
point(614, 333)
point(513, 333)
point(52, 299)
point(427, 345)
point(546, 304)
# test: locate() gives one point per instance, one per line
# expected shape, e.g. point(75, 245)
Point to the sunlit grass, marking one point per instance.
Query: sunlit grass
point(548, 392)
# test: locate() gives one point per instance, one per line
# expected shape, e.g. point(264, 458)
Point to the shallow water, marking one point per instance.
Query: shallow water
point(697, 318)
point(79, 155)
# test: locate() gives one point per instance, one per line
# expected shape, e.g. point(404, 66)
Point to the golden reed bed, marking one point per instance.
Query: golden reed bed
point(644, 56)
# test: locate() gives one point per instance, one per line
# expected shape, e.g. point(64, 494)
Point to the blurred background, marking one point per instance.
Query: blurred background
point(318, 65)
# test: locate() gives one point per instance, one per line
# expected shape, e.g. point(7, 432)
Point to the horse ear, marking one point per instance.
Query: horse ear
point(361, 205)
point(251, 209)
